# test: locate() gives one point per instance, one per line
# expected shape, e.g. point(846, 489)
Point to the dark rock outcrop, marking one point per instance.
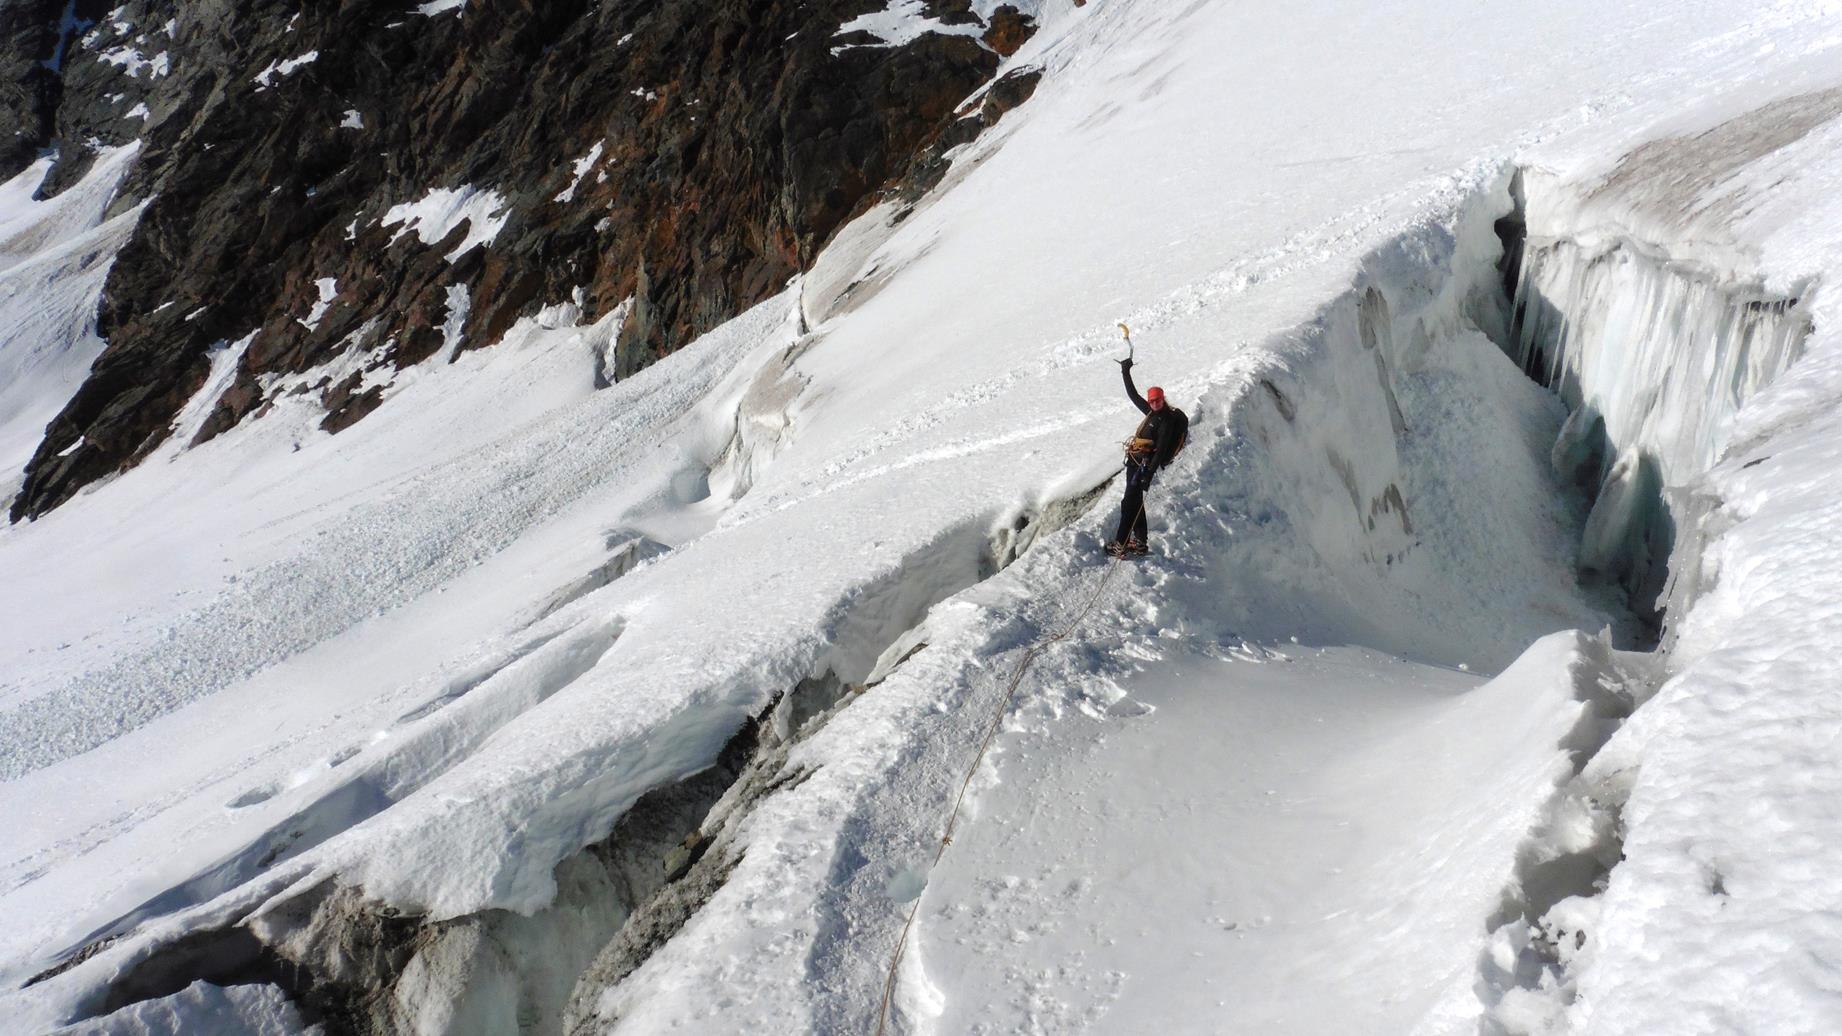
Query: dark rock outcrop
point(29, 82)
point(930, 165)
point(1008, 30)
point(688, 154)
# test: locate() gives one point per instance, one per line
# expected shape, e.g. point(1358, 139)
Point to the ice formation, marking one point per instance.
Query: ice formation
point(1654, 358)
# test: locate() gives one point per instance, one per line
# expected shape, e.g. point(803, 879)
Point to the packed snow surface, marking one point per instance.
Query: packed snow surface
point(1349, 753)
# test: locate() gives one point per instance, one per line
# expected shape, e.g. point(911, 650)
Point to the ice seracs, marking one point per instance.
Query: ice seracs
point(1655, 358)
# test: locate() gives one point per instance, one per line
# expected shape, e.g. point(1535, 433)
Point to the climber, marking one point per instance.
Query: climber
point(1160, 436)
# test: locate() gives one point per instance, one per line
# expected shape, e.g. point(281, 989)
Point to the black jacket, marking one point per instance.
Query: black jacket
point(1164, 427)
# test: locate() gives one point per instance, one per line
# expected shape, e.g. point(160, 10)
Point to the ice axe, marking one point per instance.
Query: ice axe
point(1124, 330)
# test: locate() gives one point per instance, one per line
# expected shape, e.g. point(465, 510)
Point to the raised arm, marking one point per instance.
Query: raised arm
point(1125, 371)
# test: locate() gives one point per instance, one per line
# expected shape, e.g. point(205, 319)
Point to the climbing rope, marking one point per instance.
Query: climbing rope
point(991, 732)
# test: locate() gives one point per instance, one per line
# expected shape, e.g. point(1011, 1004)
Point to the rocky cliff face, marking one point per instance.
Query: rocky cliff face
point(340, 189)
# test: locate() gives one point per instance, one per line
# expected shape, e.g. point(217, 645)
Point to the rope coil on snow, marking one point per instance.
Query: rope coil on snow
point(991, 732)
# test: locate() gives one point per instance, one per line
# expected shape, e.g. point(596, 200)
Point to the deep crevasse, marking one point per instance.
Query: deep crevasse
point(1676, 296)
point(1654, 358)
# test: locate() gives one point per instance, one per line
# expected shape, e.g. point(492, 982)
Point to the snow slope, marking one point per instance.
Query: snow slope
point(1301, 781)
point(432, 658)
point(53, 258)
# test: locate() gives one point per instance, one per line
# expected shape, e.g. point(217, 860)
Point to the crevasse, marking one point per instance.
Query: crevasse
point(1654, 357)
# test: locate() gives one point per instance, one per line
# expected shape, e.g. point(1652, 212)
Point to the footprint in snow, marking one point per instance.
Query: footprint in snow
point(1130, 708)
point(254, 796)
point(264, 792)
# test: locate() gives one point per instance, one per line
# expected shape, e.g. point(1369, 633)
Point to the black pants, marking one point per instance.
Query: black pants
point(1132, 508)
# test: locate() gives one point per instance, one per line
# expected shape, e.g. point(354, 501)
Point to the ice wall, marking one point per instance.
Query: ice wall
point(1653, 357)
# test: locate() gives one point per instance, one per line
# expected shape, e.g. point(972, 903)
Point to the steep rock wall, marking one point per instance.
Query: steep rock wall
point(390, 181)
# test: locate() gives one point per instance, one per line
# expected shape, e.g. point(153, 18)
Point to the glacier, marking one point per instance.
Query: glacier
point(644, 707)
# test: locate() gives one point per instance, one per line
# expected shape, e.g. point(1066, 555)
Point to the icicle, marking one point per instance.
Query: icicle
point(1656, 359)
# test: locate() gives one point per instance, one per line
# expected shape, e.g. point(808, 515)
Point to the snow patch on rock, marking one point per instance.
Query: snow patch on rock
point(444, 209)
point(225, 357)
point(581, 167)
point(283, 68)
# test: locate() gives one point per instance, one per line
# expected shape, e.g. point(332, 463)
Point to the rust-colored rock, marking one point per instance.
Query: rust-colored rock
point(1008, 30)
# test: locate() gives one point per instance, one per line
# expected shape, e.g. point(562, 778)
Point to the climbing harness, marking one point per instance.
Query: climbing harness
point(991, 732)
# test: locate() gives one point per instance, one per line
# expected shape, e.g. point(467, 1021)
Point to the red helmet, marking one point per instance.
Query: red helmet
point(1154, 394)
